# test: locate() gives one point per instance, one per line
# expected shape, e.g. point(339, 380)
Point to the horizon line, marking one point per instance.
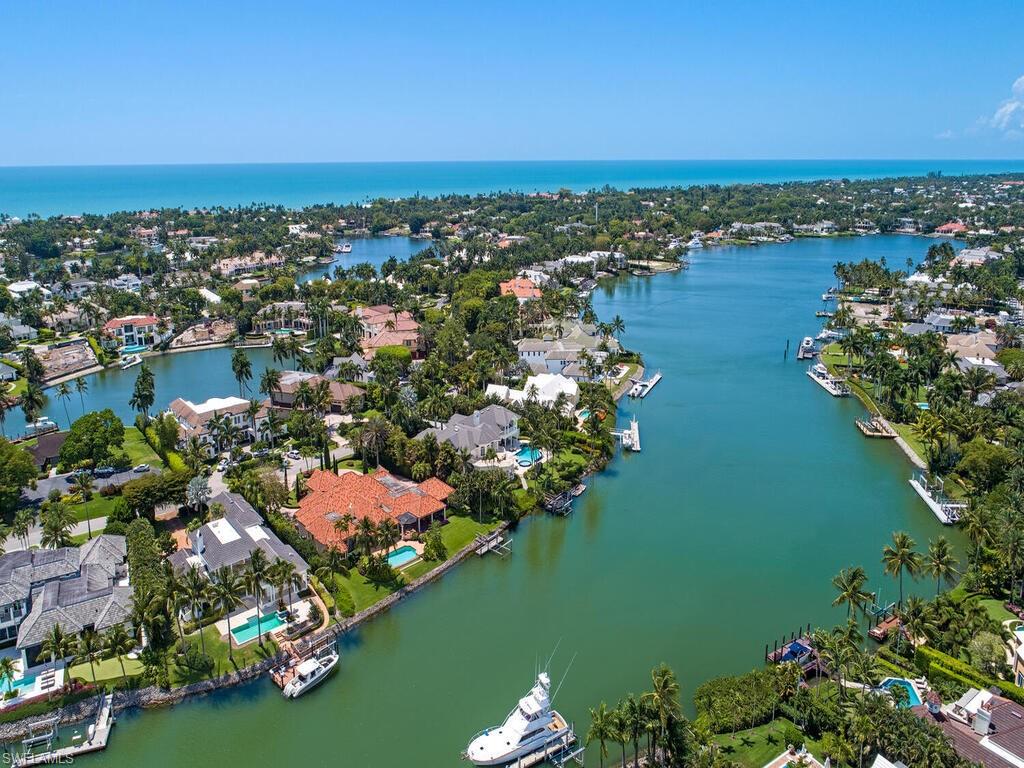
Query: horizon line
point(193, 164)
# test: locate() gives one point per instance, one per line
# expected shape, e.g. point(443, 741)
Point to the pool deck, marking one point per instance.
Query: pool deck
point(300, 608)
point(787, 757)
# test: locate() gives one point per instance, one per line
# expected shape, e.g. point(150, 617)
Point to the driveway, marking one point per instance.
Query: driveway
point(61, 483)
point(35, 534)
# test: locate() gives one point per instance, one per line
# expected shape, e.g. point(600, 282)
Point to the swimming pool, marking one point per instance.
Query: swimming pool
point(401, 556)
point(913, 699)
point(527, 455)
point(22, 684)
point(585, 414)
point(133, 349)
point(243, 633)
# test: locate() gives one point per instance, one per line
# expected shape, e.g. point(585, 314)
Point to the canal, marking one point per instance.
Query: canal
point(753, 489)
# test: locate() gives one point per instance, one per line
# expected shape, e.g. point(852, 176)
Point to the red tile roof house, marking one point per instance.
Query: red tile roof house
point(378, 496)
point(133, 330)
point(383, 326)
point(951, 228)
point(522, 288)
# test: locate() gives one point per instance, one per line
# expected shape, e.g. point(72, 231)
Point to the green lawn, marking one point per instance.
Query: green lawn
point(355, 593)
point(995, 609)
point(906, 431)
point(97, 506)
point(217, 649)
point(754, 748)
point(106, 670)
point(138, 449)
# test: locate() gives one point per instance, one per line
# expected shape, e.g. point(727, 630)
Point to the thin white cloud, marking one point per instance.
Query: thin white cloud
point(1009, 117)
point(945, 135)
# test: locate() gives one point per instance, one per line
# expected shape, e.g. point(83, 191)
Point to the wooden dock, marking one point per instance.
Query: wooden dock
point(98, 735)
point(876, 426)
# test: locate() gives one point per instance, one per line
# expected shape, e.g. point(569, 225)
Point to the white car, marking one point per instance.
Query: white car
point(222, 465)
point(293, 454)
point(140, 469)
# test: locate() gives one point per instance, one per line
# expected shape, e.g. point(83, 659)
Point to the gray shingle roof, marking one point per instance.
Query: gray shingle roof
point(231, 539)
point(479, 428)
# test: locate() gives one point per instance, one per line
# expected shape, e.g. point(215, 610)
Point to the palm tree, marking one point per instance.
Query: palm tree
point(58, 522)
point(917, 618)
point(241, 367)
point(144, 392)
point(32, 401)
point(88, 651)
point(195, 588)
point(7, 671)
point(116, 644)
point(57, 644)
point(900, 557)
point(23, 520)
point(632, 714)
point(81, 387)
point(849, 582)
point(664, 698)
point(63, 394)
point(940, 562)
point(388, 534)
point(226, 593)
point(601, 729)
point(270, 381)
point(366, 535)
point(254, 576)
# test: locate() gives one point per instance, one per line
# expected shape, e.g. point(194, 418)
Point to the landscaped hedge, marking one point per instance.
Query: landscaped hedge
point(324, 594)
point(941, 664)
point(144, 561)
point(743, 701)
point(43, 706)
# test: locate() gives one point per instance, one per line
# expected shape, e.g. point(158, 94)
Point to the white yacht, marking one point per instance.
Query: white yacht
point(531, 726)
point(695, 242)
point(806, 349)
point(346, 247)
point(310, 673)
point(129, 361)
point(820, 375)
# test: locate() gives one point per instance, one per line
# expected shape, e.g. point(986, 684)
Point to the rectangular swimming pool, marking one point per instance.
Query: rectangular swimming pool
point(401, 556)
point(243, 633)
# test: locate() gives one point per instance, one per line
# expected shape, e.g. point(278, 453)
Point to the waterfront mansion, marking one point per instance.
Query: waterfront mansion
point(198, 419)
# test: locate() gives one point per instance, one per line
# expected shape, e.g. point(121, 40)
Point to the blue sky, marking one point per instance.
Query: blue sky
point(160, 82)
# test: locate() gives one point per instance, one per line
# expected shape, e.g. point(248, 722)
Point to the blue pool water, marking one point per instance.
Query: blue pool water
point(401, 556)
point(585, 414)
point(527, 455)
point(913, 699)
point(133, 348)
point(243, 633)
point(22, 683)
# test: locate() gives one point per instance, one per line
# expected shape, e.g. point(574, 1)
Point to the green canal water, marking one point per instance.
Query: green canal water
point(753, 489)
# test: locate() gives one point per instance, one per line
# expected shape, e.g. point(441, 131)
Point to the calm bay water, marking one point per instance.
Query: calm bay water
point(753, 489)
point(368, 250)
point(53, 190)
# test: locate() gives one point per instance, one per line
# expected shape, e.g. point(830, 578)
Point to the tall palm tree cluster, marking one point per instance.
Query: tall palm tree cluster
point(653, 719)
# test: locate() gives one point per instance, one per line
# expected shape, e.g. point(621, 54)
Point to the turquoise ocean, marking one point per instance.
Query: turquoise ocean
point(54, 190)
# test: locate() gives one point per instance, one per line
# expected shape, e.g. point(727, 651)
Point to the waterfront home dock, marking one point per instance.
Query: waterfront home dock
point(559, 751)
point(881, 631)
point(96, 740)
point(493, 542)
point(630, 438)
point(933, 494)
point(819, 374)
point(876, 426)
point(642, 387)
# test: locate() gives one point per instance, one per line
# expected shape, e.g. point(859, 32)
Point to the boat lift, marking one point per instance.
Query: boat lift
point(558, 750)
point(493, 542)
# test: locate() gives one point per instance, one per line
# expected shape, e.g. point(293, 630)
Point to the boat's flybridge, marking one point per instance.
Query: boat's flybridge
point(529, 725)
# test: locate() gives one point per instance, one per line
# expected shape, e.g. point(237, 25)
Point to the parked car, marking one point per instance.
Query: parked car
point(140, 469)
point(76, 474)
point(222, 465)
point(293, 454)
point(104, 472)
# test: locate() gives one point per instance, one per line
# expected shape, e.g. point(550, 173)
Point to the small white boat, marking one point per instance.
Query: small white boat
point(820, 375)
point(530, 727)
point(130, 361)
point(310, 673)
point(346, 247)
point(807, 349)
point(695, 243)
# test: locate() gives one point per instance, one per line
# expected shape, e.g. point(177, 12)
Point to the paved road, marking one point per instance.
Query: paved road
point(35, 535)
point(61, 483)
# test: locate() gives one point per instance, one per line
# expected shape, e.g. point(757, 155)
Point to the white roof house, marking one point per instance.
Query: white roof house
point(21, 288)
point(543, 388)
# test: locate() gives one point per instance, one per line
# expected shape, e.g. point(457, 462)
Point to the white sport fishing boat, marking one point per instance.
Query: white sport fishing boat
point(310, 673)
point(530, 727)
point(129, 361)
